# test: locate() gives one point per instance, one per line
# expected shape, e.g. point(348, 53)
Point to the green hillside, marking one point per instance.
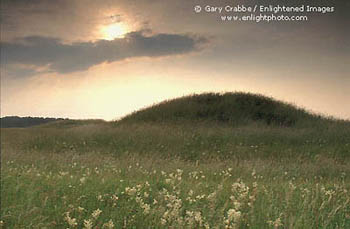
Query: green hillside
point(233, 109)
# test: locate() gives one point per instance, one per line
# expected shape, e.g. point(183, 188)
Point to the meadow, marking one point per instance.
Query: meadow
point(206, 161)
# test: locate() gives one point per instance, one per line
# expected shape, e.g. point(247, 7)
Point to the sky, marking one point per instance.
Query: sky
point(88, 59)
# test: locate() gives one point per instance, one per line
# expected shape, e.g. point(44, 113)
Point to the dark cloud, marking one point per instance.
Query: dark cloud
point(64, 58)
point(16, 71)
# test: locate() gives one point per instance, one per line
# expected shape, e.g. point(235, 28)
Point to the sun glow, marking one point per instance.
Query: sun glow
point(113, 31)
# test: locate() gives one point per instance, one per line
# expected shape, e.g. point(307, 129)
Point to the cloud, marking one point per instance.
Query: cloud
point(79, 56)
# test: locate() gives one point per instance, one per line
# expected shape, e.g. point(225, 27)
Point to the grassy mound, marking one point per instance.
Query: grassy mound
point(230, 108)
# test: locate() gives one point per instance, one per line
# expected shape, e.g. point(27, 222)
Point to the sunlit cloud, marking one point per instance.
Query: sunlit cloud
point(79, 56)
point(113, 31)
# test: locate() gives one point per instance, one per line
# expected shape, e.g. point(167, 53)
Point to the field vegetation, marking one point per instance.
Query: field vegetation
point(232, 160)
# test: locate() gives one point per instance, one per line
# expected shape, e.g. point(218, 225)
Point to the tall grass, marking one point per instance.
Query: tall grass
point(160, 168)
point(191, 142)
point(68, 191)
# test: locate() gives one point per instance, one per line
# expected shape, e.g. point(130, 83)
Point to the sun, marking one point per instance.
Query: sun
point(113, 31)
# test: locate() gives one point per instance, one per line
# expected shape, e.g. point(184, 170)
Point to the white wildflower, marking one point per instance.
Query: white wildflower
point(233, 215)
point(130, 191)
point(277, 223)
point(81, 209)
point(163, 221)
point(95, 214)
point(109, 224)
point(87, 224)
point(71, 221)
point(82, 180)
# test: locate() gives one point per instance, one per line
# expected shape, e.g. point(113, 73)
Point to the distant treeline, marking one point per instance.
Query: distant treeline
point(15, 121)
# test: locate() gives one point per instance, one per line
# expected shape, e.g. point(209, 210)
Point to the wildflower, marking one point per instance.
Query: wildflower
point(138, 199)
point(114, 197)
point(292, 186)
point(277, 223)
point(233, 215)
point(82, 180)
point(63, 173)
point(236, 204)
point(329, 192)
point(174, 205)
point(198, 217)
point(163, 221)
point(81, 209)
point(87, 224)
point(71, 221)
point(95, 214)
point(109, 225)
point(146, 209)
point(254, 173)
point(130, 191)
point(189, 217)
point(211, 196)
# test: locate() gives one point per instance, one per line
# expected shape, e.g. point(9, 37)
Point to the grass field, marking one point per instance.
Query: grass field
point(209, 161)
